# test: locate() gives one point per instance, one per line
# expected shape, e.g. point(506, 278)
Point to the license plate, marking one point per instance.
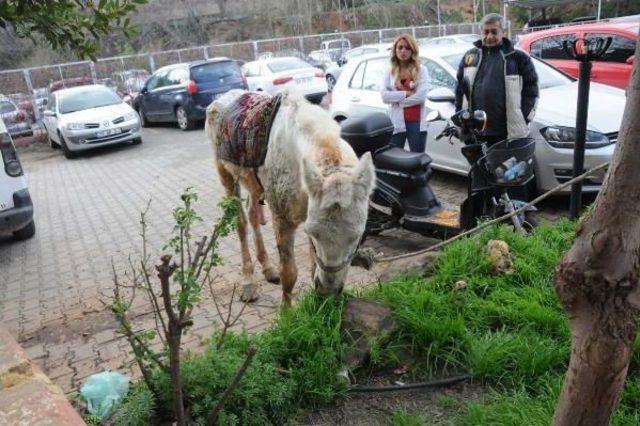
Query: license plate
point(108, 132)
point(304, 80)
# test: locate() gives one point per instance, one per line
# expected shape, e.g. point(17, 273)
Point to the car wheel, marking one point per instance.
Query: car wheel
point(65, 149)
point(183, 119)
point(143, 118)
point(26, 232)
point(331, 81)
point(136, 141)
point(52, 144)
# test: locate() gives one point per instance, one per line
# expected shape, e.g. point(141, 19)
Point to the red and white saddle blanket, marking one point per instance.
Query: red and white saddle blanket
point(243, 129)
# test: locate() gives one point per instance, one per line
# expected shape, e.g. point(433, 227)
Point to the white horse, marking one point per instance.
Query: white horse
point(309, 175)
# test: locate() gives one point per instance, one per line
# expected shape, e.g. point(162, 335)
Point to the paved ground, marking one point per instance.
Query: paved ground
point(87, 217)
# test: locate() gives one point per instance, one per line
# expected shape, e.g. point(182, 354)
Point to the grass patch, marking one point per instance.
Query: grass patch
point(509, 332)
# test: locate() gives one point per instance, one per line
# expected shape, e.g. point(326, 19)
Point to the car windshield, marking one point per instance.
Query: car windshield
point(93, 97)
point(547, 75)
point(215, 72)
point(287, 64)
point(6, 107)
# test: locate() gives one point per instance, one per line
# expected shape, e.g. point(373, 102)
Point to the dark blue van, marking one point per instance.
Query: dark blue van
point(181, 92)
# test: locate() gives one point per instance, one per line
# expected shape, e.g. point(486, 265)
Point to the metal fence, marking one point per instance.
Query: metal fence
point(27, 79)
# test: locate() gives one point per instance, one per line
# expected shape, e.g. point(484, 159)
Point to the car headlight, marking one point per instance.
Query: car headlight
point(74, 126)
point(565, 137)
point(131, 116)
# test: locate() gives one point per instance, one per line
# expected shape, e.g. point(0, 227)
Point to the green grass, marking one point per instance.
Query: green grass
point(400, 418)
point(509, 332)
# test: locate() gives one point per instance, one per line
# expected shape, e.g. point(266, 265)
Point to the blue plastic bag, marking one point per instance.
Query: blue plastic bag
point(103, 392)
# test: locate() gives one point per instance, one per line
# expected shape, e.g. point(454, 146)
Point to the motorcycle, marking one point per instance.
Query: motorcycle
point(403, 197)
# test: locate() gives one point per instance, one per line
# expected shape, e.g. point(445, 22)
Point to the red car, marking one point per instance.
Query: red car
point(614, 68)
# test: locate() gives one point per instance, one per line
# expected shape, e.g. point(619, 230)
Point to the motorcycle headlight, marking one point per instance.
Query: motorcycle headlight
point(74, 126)
point(565, 137)
point(130, 116)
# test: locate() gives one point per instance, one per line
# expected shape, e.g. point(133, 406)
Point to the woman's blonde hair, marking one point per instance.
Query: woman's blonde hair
point(414, 62)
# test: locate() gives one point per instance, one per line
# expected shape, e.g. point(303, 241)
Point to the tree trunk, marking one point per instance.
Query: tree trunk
point(597, 283)
point(174, 366)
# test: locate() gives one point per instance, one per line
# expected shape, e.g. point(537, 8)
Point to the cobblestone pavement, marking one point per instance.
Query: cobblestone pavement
point(87, 214)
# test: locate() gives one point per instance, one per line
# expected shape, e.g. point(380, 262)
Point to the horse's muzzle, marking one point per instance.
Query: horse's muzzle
point(327, 289)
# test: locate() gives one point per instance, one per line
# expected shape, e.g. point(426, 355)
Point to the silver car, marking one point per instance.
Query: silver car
point(357, 93)
point(86, 117)
point(15, 119)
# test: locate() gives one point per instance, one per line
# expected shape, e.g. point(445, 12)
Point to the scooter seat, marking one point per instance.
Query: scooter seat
point(399, 160)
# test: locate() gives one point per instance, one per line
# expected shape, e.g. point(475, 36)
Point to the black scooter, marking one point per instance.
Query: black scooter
point(403, 198)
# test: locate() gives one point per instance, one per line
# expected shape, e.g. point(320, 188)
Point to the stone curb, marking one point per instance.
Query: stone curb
point(27, 396)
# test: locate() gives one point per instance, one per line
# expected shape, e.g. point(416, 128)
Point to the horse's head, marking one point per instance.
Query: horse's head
point(336, 218)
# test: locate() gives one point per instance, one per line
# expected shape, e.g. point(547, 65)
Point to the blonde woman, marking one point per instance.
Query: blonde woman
point(404, 88)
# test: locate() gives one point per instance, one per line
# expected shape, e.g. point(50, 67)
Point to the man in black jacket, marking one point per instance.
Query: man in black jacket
point(500, 80)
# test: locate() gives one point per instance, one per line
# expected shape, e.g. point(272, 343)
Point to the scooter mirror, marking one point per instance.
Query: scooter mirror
point(434, 116)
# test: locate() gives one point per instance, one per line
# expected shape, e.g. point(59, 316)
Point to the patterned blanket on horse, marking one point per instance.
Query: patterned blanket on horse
point(243, 129)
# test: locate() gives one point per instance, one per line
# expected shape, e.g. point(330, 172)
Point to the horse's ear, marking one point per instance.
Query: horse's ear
point(364, 174)
point(311, 177)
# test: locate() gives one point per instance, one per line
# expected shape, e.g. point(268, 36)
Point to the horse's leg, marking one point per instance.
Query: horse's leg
point(232, 187)
point(285, 238)
point(255, 192)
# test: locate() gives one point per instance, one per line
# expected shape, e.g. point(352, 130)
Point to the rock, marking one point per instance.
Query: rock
point(423, 265)
point(499, 257)
point(363, 322)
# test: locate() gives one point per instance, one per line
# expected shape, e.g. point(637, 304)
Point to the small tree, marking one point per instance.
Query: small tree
point(173, 295)
point(598, 283)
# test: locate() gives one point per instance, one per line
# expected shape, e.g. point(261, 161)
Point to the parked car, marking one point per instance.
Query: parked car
point(40, 95)
point(322, 59)
point(130, 82)
point(333, 72)
point(23, 102)
point(181, 92)
point(274, 75)
point(86, 117)
point(357, 93)
point(16, 207)
point(15, 119)
point(614, 68)
point(449, 40)
point(66, 83)
point(337, 43)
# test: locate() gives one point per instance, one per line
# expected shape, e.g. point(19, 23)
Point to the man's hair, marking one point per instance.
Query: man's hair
point(492, 18)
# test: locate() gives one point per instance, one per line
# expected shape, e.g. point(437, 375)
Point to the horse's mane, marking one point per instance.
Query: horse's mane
point(316, 123)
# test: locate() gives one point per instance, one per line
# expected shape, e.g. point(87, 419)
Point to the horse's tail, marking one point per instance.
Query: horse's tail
point(210, 127)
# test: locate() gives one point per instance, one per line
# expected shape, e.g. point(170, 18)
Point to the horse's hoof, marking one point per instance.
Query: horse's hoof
point(249, 293)
point(271, 276)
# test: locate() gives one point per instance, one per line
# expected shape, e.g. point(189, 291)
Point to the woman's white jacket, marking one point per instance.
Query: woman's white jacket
point(398, 99)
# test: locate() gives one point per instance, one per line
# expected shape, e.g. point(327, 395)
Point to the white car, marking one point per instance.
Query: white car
point(333, 72)
point(357, 93)
point(16, 208)
point(274, 75)
point(85, 117)
point(449, 40)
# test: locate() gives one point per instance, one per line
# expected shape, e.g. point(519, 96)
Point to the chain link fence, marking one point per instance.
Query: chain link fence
point(28, 87)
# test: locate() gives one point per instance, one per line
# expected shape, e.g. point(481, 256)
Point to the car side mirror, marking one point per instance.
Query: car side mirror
point(441, 94)
point(144, 90)
point(631, 59)
point(434, 116)
point(49, 113)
